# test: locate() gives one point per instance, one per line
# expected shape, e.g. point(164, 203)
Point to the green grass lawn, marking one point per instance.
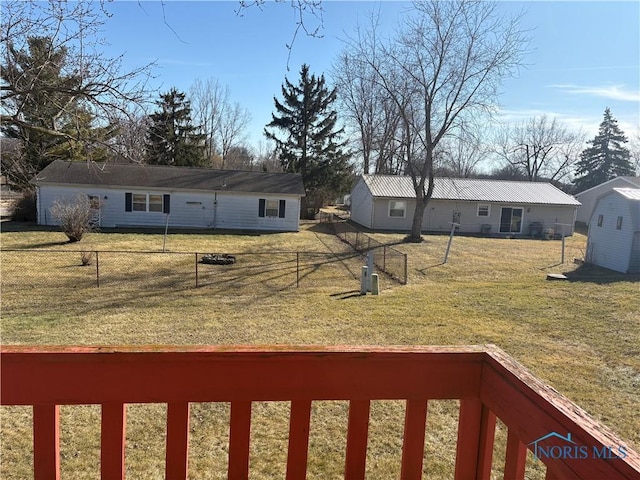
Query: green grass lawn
point(582, 336)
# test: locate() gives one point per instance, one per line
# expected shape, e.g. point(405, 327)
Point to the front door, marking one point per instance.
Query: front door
point(511, 220)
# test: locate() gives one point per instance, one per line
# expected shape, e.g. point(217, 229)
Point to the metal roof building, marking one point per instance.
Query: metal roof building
point(387, 202)
point(471, 189)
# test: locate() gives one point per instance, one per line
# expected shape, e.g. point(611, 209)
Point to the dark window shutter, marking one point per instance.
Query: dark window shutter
point(128, 202)
point(166, 203)
point(281, 209)
point(261, 207)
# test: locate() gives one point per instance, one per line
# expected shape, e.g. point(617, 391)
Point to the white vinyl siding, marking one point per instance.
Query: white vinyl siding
point(188, 209)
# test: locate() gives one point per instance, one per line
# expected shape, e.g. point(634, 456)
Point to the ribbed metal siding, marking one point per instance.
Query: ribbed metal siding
point(476, 190)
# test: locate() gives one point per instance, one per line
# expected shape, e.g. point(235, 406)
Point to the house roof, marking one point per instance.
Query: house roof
point(629, 193)
point(474, 190)
point(631, 181)
point(169, 178)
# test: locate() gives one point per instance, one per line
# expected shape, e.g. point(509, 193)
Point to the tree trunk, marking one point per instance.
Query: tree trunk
point(416, 225)
point(422, 199)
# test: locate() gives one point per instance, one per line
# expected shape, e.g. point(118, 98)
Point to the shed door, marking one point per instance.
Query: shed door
point(511, 220)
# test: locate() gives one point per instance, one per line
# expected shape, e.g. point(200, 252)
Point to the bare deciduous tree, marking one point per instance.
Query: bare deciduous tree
point(222, 121)
point(129, 143)
point(541, 148)
point(369, 112)
point(446, 62)
point(463, 149)
point(231, 128)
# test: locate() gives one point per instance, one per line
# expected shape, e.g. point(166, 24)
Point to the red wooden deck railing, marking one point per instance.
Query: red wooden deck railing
point(488, 383)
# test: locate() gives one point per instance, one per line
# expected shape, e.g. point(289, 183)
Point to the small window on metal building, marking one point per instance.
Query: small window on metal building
point(397, 208)
point(484, 210)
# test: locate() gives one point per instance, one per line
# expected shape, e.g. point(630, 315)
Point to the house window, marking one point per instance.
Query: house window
point(619, 223)
point(147, 202)
point(155, 203)
point(600, 220)
point(139, 202)
point(484, 210)
point(271, 208)
point(397, 208)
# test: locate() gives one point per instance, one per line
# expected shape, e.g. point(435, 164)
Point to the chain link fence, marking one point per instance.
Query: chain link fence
point(386, 258)
point(27, 269)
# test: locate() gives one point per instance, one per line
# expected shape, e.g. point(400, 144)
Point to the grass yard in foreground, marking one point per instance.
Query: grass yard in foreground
point(582, 336)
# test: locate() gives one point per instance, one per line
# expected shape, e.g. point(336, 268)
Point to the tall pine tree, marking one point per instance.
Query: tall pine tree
point(172, 138)
point(311, 145)
point(606, 158)
point(42, 112)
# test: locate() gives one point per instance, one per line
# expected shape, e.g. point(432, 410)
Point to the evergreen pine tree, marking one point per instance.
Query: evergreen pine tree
point(53, 122)
point(311, 144)
point(606, 158)
point(172, 138)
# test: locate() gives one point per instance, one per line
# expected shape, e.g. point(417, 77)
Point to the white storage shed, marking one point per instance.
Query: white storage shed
point(614, 231)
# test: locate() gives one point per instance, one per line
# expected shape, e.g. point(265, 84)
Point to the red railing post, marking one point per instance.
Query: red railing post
point(298, 440)
point(112, 440)
point(515, 459)
point(414, 432)
point(177, 453)
point(476, 431)
point(357, 435)
point(46, 442)
point(239, 436)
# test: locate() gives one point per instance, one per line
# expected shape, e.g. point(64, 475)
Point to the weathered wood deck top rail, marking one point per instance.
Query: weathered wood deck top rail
point(488, 383)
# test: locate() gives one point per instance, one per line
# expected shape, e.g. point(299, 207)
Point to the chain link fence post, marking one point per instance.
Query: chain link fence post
point(196, 254)
point(97, 270)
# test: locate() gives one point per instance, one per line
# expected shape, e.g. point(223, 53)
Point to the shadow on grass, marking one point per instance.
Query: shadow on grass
point(423, 271)
point(36, 246)
point(345, 295)
point(602, 276)
point(14, 226)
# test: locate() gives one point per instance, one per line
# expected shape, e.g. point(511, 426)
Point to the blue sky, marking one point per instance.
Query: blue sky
point(585, 55)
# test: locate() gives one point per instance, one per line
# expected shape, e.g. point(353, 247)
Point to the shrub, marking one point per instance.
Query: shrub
point(86, 258)
point(24, 208)
point(74, 216)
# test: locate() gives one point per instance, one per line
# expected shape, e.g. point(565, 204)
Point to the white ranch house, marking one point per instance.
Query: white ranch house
point(133, 195)
point(588, 198)
point(387, 202)
point(614, 231)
